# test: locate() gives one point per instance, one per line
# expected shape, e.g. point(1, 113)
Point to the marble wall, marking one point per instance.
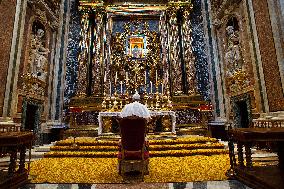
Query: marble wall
point(268, 56)
point(72, 53)
point(7, 17)
point(255, 38)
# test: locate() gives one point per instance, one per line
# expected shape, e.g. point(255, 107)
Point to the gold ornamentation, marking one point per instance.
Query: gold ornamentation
point(107, 125)
point(189, 58)
point(174, 50)
point(166, 123)
point(33, 85)
point(135, 68)
point(83, 57)
point(97, 52)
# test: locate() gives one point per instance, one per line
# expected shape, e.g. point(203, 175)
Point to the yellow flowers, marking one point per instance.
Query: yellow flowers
point(180, 153)
point(177, 147)
point(84, 148)
point(185, 146)
point(104, 170)
point(82, 141)
point(185, 140)
point(80, 154)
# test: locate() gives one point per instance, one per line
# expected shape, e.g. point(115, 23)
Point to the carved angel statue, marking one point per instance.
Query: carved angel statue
point(37, 58)
point(233, 56)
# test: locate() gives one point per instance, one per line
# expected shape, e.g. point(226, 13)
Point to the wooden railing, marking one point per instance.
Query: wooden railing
point(9, 128)
point(13, 143)
point(268, 123)
point(242, 167)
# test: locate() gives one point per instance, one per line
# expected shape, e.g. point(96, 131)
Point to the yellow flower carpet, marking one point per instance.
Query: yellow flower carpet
point(104, 170)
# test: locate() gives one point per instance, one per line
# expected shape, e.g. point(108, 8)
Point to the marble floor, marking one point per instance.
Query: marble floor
point(228, 184)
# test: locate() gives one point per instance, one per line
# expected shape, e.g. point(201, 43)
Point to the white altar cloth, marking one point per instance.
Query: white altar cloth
point(152, 113)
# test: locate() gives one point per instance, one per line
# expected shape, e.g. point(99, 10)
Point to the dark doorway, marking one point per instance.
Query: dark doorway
point(30, 121)
point(243, 114)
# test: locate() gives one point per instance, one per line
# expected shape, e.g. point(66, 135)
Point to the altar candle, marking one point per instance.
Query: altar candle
point(162, 87)
point(156, 76)
point(167, 77)
point(105, 77)
point(115, 77)
point(126, 77)
point(145, 77)
point(109, 88)
point(151, 87)
point(121, 87)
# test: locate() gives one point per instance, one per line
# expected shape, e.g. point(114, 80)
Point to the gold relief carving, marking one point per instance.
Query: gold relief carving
point(238, 82)
point(107, 124)
point(33, 86)
point(166, 122)
point(42, 16)
point(151, 126)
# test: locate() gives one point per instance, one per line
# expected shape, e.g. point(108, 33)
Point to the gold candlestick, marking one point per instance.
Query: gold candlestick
point(169, 102)
point(157, 101)
point(104, 102)
point(115, 102)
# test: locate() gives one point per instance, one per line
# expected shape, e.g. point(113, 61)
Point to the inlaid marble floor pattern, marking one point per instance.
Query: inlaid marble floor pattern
point(228, 184)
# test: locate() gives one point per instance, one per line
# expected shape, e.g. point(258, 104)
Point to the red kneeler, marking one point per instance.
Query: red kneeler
point(133, 155)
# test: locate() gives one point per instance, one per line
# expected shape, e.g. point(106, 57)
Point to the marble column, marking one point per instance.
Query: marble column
point(81, 90)
point(10, 99)
point(59, 65)
point(164, 53)
point(98, 52)
point(189, 58)
point(107, 56)
point(174, 52)
point(217, 94)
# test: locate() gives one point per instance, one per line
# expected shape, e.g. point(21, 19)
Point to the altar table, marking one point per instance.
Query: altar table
point(152, 113)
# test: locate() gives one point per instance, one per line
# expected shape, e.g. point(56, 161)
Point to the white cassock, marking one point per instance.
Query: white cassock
point(135, 109)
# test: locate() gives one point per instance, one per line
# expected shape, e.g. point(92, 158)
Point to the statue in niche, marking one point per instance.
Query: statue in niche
point(233, 56)
point(38, 55)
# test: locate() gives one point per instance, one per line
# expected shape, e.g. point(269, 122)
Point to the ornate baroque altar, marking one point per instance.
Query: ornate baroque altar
point(135, 47)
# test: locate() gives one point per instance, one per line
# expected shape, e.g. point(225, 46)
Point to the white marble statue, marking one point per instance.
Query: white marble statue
point(233, 56)
point(38, 56)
